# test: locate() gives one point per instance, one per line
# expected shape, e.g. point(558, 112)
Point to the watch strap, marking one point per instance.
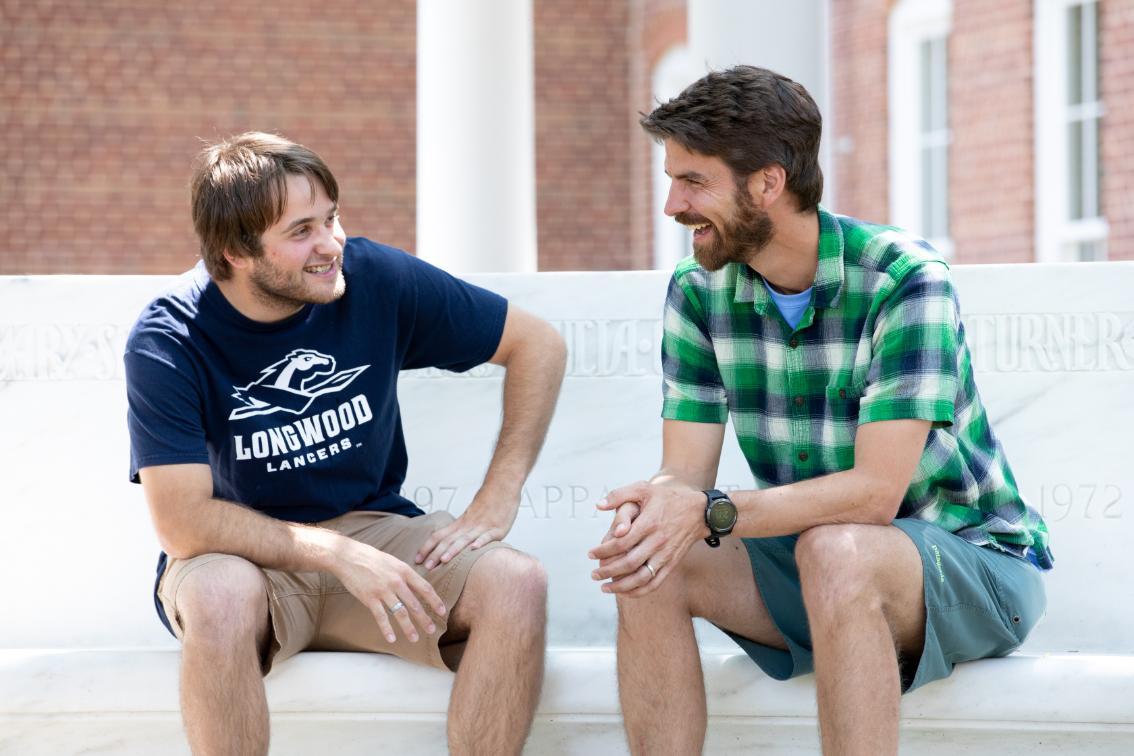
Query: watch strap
point(712, 495)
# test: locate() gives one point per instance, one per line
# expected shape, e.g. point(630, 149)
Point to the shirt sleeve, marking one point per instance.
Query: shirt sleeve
point(692, 389)
point(917, 347)
point(164, 414)
point(455, 325)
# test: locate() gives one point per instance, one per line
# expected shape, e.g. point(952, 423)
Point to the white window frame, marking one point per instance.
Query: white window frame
point(911, 23)
point(1056, 232)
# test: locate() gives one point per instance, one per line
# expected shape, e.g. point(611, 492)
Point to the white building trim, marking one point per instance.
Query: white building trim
point(1059, 237)
point(911, 24)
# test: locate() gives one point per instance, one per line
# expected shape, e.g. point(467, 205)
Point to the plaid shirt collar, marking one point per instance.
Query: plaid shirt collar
point(828, 285)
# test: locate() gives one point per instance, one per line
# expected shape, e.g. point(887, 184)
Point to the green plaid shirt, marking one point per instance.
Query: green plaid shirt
point(881, 340)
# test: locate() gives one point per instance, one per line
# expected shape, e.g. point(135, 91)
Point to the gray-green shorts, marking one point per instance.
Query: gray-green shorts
point(979, 603)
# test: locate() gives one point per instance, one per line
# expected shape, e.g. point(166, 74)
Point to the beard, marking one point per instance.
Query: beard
point(741, 237)
point(287, 290)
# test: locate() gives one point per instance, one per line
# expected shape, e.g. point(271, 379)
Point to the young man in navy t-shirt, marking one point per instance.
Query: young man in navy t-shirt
point(266, 433)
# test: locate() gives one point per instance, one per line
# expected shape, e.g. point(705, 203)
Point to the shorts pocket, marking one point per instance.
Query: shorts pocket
point(1019, 592)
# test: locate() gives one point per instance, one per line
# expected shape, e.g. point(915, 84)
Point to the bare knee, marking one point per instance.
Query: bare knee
point(838, 571)
point(671, 597)
point(224, 603)
point(508, 585)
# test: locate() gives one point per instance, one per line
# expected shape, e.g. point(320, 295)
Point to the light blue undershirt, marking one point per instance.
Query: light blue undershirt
point(792, 306)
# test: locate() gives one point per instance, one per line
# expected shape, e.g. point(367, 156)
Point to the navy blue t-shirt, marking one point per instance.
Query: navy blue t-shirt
point(299, 418)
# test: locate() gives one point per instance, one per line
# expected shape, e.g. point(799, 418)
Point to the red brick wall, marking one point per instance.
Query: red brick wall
point(1116, 69)
point(105, 104)
point(857, 121)
point(583, 166)
point(992, 173)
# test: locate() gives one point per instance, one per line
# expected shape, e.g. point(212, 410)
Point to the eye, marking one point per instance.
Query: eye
point(300, 232)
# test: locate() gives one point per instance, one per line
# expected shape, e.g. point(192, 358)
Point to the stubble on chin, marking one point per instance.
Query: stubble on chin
point(336, 292)
point(340, 286)
point(283, 295)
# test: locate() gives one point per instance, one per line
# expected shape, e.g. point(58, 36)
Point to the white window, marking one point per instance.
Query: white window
point(919, 119)
point(1069, 221)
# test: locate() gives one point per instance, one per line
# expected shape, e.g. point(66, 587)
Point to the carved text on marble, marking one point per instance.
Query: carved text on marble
point(1086, 501)
point(62, 352)
point(570, 501)
point(1051, 342)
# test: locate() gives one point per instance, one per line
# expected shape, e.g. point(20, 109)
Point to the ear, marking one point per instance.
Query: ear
point(237, 262)
point(767, 185)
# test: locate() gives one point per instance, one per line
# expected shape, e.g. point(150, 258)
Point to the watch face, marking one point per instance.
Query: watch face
point(721, 515)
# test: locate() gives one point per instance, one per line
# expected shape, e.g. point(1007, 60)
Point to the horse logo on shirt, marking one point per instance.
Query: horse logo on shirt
point(292, 384)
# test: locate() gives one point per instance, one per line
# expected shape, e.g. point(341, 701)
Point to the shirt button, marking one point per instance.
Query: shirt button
point(842, 393)
point(793, 343)
point(799, 401)
point(803, 456)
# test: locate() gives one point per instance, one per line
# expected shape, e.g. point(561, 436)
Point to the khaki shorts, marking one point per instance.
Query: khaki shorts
point(313, 611)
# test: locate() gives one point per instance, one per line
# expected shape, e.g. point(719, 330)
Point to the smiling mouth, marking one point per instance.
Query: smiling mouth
point(319, 269)
point(699, 229)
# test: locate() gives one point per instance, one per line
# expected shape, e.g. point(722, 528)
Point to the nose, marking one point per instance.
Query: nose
point(331, 240)
point(675, 201)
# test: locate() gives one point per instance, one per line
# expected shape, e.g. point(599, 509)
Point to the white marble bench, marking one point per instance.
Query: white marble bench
point(86, 667)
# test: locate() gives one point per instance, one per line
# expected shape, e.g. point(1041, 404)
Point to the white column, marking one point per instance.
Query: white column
point(790, 38)
point(476, 209)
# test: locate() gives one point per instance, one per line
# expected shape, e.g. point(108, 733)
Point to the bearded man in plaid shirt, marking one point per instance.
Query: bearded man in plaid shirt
point(886, 538)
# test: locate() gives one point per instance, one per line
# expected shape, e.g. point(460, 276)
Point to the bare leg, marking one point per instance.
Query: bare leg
point(660, 682)
point(497, 634)
point(862, 585)
point(224, 614)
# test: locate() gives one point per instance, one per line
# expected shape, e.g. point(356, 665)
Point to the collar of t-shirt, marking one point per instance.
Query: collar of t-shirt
point(792, 306)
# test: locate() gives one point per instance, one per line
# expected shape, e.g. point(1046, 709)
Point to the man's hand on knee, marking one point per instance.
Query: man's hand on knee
point(487, 519)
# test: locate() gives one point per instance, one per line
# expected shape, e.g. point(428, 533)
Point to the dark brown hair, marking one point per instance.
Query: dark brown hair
point(239, 190)
point(750, 118)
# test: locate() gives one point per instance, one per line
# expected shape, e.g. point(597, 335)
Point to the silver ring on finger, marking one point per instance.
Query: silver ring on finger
point(397, 607)
point(653, 572)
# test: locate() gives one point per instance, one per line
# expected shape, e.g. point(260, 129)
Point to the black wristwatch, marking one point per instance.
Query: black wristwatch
point(720, 516)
